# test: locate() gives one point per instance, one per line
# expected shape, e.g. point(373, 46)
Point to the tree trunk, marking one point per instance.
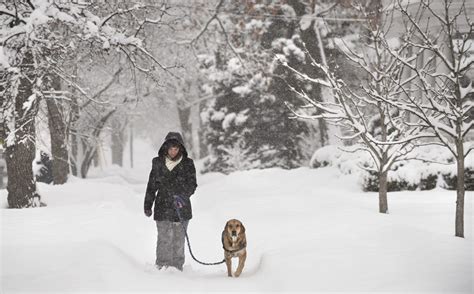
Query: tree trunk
point(2, 120)
point(73, 130)
point(86, 163)
point(2, 133)
point(74, 138)
point(460, 189)
point(195, 125)
point(186, 127)
point(383, 202)
point(383, 169)
point(327, 94)
point(118, 143)
point(59, 151)
point(20, 154)
point(313, 42)
point(21, 182)
point(323, 132)
point(202, 142)
point(131, 144)
point(1, 176)
point(96, 157)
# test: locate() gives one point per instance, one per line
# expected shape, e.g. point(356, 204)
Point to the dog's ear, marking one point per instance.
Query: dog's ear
point(226, 225)
point(243, 228)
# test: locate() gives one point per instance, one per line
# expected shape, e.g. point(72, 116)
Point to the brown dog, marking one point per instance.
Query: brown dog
point(234, 243)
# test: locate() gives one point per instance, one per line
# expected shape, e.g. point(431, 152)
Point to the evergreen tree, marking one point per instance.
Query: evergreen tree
point(246, 125)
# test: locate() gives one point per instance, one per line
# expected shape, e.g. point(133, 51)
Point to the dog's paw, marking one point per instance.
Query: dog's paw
point(236, 274)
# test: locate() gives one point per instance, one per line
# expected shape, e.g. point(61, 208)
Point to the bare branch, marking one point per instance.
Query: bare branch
point(229, 43)
point(12, 35)
point(30, 4)
point(119, 12)
point(153, 58)
point(204, 29)
point(468, 151)
point(12, 14)
point(104, 89)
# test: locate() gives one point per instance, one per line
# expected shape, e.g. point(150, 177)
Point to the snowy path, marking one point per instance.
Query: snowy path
point(308, 230)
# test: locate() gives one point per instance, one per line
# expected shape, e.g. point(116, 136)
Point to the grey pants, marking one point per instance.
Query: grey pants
point(170, 244)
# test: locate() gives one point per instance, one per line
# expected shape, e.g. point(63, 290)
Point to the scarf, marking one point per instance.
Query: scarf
point(170, 164)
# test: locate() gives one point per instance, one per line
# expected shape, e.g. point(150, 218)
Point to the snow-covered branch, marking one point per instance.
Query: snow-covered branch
point(442, 106)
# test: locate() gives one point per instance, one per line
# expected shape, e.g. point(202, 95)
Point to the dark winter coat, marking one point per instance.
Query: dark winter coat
point(180, 181)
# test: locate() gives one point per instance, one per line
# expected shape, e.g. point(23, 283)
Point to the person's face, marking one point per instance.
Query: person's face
point(173, 151)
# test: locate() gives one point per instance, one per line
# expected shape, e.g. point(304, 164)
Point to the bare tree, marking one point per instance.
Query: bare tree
point(382, 129)
point(93, 114)
point(440, 34)
point(420, 86)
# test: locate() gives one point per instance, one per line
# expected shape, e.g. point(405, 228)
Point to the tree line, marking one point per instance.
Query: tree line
point(256, 84)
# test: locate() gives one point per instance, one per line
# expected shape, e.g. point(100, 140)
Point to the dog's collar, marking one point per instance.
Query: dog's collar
point(236, 250)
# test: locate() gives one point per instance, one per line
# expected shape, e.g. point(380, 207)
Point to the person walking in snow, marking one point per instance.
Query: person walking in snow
point(173, 175)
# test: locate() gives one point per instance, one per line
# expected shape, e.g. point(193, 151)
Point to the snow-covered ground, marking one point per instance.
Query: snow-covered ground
point(307, 230)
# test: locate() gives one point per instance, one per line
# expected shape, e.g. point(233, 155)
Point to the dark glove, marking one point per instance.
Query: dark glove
point(179, 201)
point(148, 212)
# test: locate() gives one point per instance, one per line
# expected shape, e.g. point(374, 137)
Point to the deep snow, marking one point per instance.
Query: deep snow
point(307, 230)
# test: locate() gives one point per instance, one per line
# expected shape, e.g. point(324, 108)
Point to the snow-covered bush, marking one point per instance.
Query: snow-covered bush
point(344, 159)
point(428, 167)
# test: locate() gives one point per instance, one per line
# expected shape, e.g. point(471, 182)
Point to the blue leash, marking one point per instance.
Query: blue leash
point(189, 244)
